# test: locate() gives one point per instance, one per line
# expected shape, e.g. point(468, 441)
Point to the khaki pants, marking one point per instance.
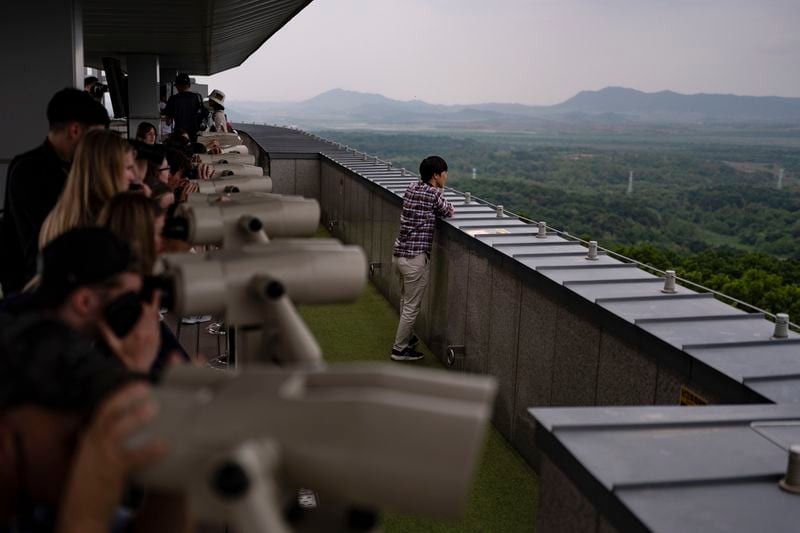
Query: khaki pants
point(414, 275)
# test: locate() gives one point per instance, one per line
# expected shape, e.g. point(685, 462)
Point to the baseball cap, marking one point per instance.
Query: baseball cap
point(80, 257)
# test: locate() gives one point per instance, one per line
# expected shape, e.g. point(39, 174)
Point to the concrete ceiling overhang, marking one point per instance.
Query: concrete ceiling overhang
point(198, 37)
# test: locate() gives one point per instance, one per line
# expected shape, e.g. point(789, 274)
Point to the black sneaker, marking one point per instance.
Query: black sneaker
point(413, 342)
point(406, 355)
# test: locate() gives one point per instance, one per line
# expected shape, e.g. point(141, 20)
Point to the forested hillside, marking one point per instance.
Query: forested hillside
point(708, 207)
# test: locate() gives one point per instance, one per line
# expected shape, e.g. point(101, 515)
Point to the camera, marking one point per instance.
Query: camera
point(98, 90)
point(123, 313)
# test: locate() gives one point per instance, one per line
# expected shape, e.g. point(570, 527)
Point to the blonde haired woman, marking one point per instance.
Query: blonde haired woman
point(139, 220)
point(104, 165)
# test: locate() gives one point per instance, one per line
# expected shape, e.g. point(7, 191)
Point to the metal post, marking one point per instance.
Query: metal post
point(542, 231)
point(669, 283)
point(781, 326)
point(791, 482)
point(592, 254)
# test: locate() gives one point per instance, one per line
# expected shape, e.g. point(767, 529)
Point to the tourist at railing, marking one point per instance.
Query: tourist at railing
point(422, 203)
point(151, 162)
point(180, 166)
point(219, 120)
point(36, 180)
point(104, 166)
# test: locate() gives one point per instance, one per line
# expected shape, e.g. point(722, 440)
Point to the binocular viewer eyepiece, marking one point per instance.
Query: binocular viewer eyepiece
point(230, 222)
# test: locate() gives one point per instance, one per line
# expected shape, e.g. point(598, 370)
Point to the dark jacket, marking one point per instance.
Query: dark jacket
point(34, 184)
point(186, 110)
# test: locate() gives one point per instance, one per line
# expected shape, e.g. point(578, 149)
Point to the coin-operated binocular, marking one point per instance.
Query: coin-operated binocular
point(224, 159)
point(245, 218)
point(234, 185)
point(255, 287)
point(223, 170)
point(369, 436)
point(229, 142)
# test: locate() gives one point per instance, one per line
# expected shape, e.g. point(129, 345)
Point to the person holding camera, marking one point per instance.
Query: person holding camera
point(422, 203)
point(67, 415)
point(95, 89)
point(37, 178)
point(88, 282)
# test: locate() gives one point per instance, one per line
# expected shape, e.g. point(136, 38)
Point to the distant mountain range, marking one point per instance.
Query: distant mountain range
point(604, 108)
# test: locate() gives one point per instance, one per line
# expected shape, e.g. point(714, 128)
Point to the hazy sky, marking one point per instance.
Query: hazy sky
point(526, 51)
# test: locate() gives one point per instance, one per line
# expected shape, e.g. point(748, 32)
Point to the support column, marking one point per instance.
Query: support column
point(43, 44)
point(143, 75)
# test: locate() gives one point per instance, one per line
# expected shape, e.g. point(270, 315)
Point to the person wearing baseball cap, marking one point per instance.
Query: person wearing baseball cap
point(86, 281)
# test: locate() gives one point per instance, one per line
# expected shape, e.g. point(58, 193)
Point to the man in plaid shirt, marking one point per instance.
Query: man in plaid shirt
point(422, 203)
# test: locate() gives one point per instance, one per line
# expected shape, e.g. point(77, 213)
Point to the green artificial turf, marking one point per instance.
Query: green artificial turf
point(505, 491)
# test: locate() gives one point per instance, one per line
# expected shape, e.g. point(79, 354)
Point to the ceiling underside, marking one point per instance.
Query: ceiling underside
point(198, 37)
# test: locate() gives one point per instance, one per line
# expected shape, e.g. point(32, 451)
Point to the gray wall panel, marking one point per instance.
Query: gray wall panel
point(282, 172)
point(576, 356)
point(625, 377)
point(668, 387)
point(367, 224)
point(535, 360)
point(479, 296)
point(361, 208)
point(457, 257)
point(502, 352)
point(307, 183)
point(325, 173)
point(562, 507)
point(438, 309)
point(390, 227)
point(375, 231)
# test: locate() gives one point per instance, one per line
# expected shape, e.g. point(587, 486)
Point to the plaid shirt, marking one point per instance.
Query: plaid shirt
point(422, 203)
